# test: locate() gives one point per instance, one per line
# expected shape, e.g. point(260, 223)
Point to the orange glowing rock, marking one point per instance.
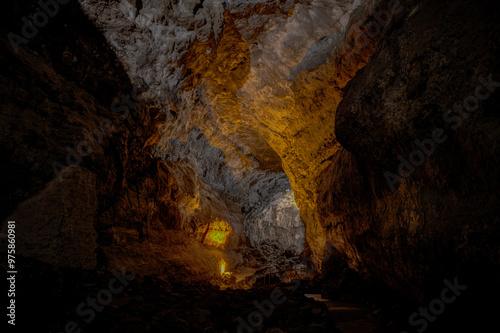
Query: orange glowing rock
point(217, 234)
point(218, 237)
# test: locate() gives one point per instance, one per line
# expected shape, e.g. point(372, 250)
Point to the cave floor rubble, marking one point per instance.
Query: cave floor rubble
point(349, 317)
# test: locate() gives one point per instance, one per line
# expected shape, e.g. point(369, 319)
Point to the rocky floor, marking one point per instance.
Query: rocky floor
point(53, 300)
point(350, 317)
point(77, 300)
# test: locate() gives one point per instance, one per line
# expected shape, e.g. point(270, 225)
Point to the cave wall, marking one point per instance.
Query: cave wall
point(50, 94)
point(442, 218)
point(249, 90)
point(114, 207)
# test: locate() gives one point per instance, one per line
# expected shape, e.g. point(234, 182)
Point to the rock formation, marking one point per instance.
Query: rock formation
point(367, 129)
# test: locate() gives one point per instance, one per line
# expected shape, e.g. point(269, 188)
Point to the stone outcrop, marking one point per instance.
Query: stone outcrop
point(81, 216)
point(442, 218)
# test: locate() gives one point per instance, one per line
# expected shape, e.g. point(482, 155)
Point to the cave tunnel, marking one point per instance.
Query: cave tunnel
point(267, 166)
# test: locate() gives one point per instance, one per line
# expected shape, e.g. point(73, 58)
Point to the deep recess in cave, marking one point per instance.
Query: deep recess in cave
point(257, 166)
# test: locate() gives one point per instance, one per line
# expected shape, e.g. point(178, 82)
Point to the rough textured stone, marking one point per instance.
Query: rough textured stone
point(61, 233)
point(52, 96)
point(247, 87)
point(444, 218)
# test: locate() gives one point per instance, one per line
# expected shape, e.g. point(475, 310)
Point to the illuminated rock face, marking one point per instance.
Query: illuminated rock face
point(250, 91)
point(279, 223)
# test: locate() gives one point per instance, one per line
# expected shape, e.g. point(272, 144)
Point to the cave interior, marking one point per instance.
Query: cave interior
point(251, 166)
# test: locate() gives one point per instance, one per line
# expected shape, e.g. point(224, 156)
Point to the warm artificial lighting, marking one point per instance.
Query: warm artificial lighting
point(218, 237)
point(218, 231)
point(223, 268)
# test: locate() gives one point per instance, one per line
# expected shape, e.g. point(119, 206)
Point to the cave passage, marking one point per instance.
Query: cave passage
point(270, 166)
